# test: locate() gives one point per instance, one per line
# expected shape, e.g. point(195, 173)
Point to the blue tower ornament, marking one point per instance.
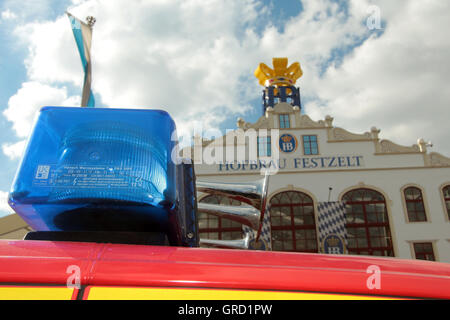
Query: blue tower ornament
point(102, 170)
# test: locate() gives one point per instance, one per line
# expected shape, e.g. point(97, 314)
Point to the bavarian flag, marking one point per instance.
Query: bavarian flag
point(83, 37)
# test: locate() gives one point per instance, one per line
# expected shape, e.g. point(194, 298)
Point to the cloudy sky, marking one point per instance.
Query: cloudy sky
point(195, 59)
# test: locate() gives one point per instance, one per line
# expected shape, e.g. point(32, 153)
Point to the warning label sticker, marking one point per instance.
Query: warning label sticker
point(79, 176)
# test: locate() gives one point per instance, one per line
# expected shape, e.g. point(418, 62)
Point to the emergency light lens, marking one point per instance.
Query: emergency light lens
point(94, 169)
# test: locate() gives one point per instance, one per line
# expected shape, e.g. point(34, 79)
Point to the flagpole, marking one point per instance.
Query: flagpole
point(87, 91)
point(82, 32)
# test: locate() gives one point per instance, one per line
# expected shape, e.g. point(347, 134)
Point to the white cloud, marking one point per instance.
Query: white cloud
point(195, 59)
point(53, 56)
point(14, 150)
point(8, 15)
point(4, 206)
point(31, 9)
point(23, 106)
point(399, 81)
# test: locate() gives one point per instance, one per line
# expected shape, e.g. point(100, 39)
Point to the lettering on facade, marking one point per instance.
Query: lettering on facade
point(305, 163)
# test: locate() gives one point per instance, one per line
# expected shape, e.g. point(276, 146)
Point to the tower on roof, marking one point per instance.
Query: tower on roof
point(279, 82)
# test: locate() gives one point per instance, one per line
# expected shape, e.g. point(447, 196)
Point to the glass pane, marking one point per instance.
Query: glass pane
point(288, 245)
point(377, 231)
point(275, 200)
point(277, 245)
point(360, 232)
point(308, 220)
point(351, 232)
point(362, 242)
point(235, 224)
point(357, 208)
point(357, 195)
point(413, 194)
point(290, 195)
point(351, 243)
point(311, 245)
point(298, 220)
point(355, 214)
point(418, 247)
point(300, 245)
point(375, 242)
point(202, 223)
point(296, 197)
point(284, 199)
point(226, 236)
point(310, 234)
point(429, 257)
point(421, 216)
point(447, 192)
point(287, 235)
point(234, 202)
point(298, 211)
point(213, 235)
point(286, 216)
point(210, 199)
point(300, 234)
point(276, 221)
point(213, 222)
point(370, 208)
point(419, 206)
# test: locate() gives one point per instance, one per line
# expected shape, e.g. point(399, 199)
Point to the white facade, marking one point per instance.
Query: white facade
point(347, 161)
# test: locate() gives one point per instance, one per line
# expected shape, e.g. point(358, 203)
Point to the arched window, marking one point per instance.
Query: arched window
point(414, 204)
point(446, 192)
point(213, 227)
point(368, 230)
point(293, 223)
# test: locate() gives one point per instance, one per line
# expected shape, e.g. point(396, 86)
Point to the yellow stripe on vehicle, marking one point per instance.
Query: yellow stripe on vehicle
point(35, 293)
point(121, 293)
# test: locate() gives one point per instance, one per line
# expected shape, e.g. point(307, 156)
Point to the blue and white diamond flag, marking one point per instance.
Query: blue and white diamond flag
point(331, 220)
point(265, 239)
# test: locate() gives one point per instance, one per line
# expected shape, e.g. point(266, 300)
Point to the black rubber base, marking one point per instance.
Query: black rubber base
point(141, 238)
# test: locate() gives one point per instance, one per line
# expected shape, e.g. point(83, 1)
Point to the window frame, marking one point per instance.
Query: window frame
point(416, 253)
point(414, 202)
point(445, 200)
point(220, 230)
point(267, 144)
point(284, 118)
point(310, 145)
point(367, 224)
point(293, 227)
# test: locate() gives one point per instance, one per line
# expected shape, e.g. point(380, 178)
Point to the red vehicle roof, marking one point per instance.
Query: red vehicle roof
point(46, 262)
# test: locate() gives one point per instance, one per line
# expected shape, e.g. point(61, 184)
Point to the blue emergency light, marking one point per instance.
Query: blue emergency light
point(101, 169)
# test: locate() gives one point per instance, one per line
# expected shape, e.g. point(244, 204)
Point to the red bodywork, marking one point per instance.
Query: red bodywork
point(46, 262)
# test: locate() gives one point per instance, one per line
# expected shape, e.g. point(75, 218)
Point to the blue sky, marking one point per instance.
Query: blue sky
point(195, 59)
